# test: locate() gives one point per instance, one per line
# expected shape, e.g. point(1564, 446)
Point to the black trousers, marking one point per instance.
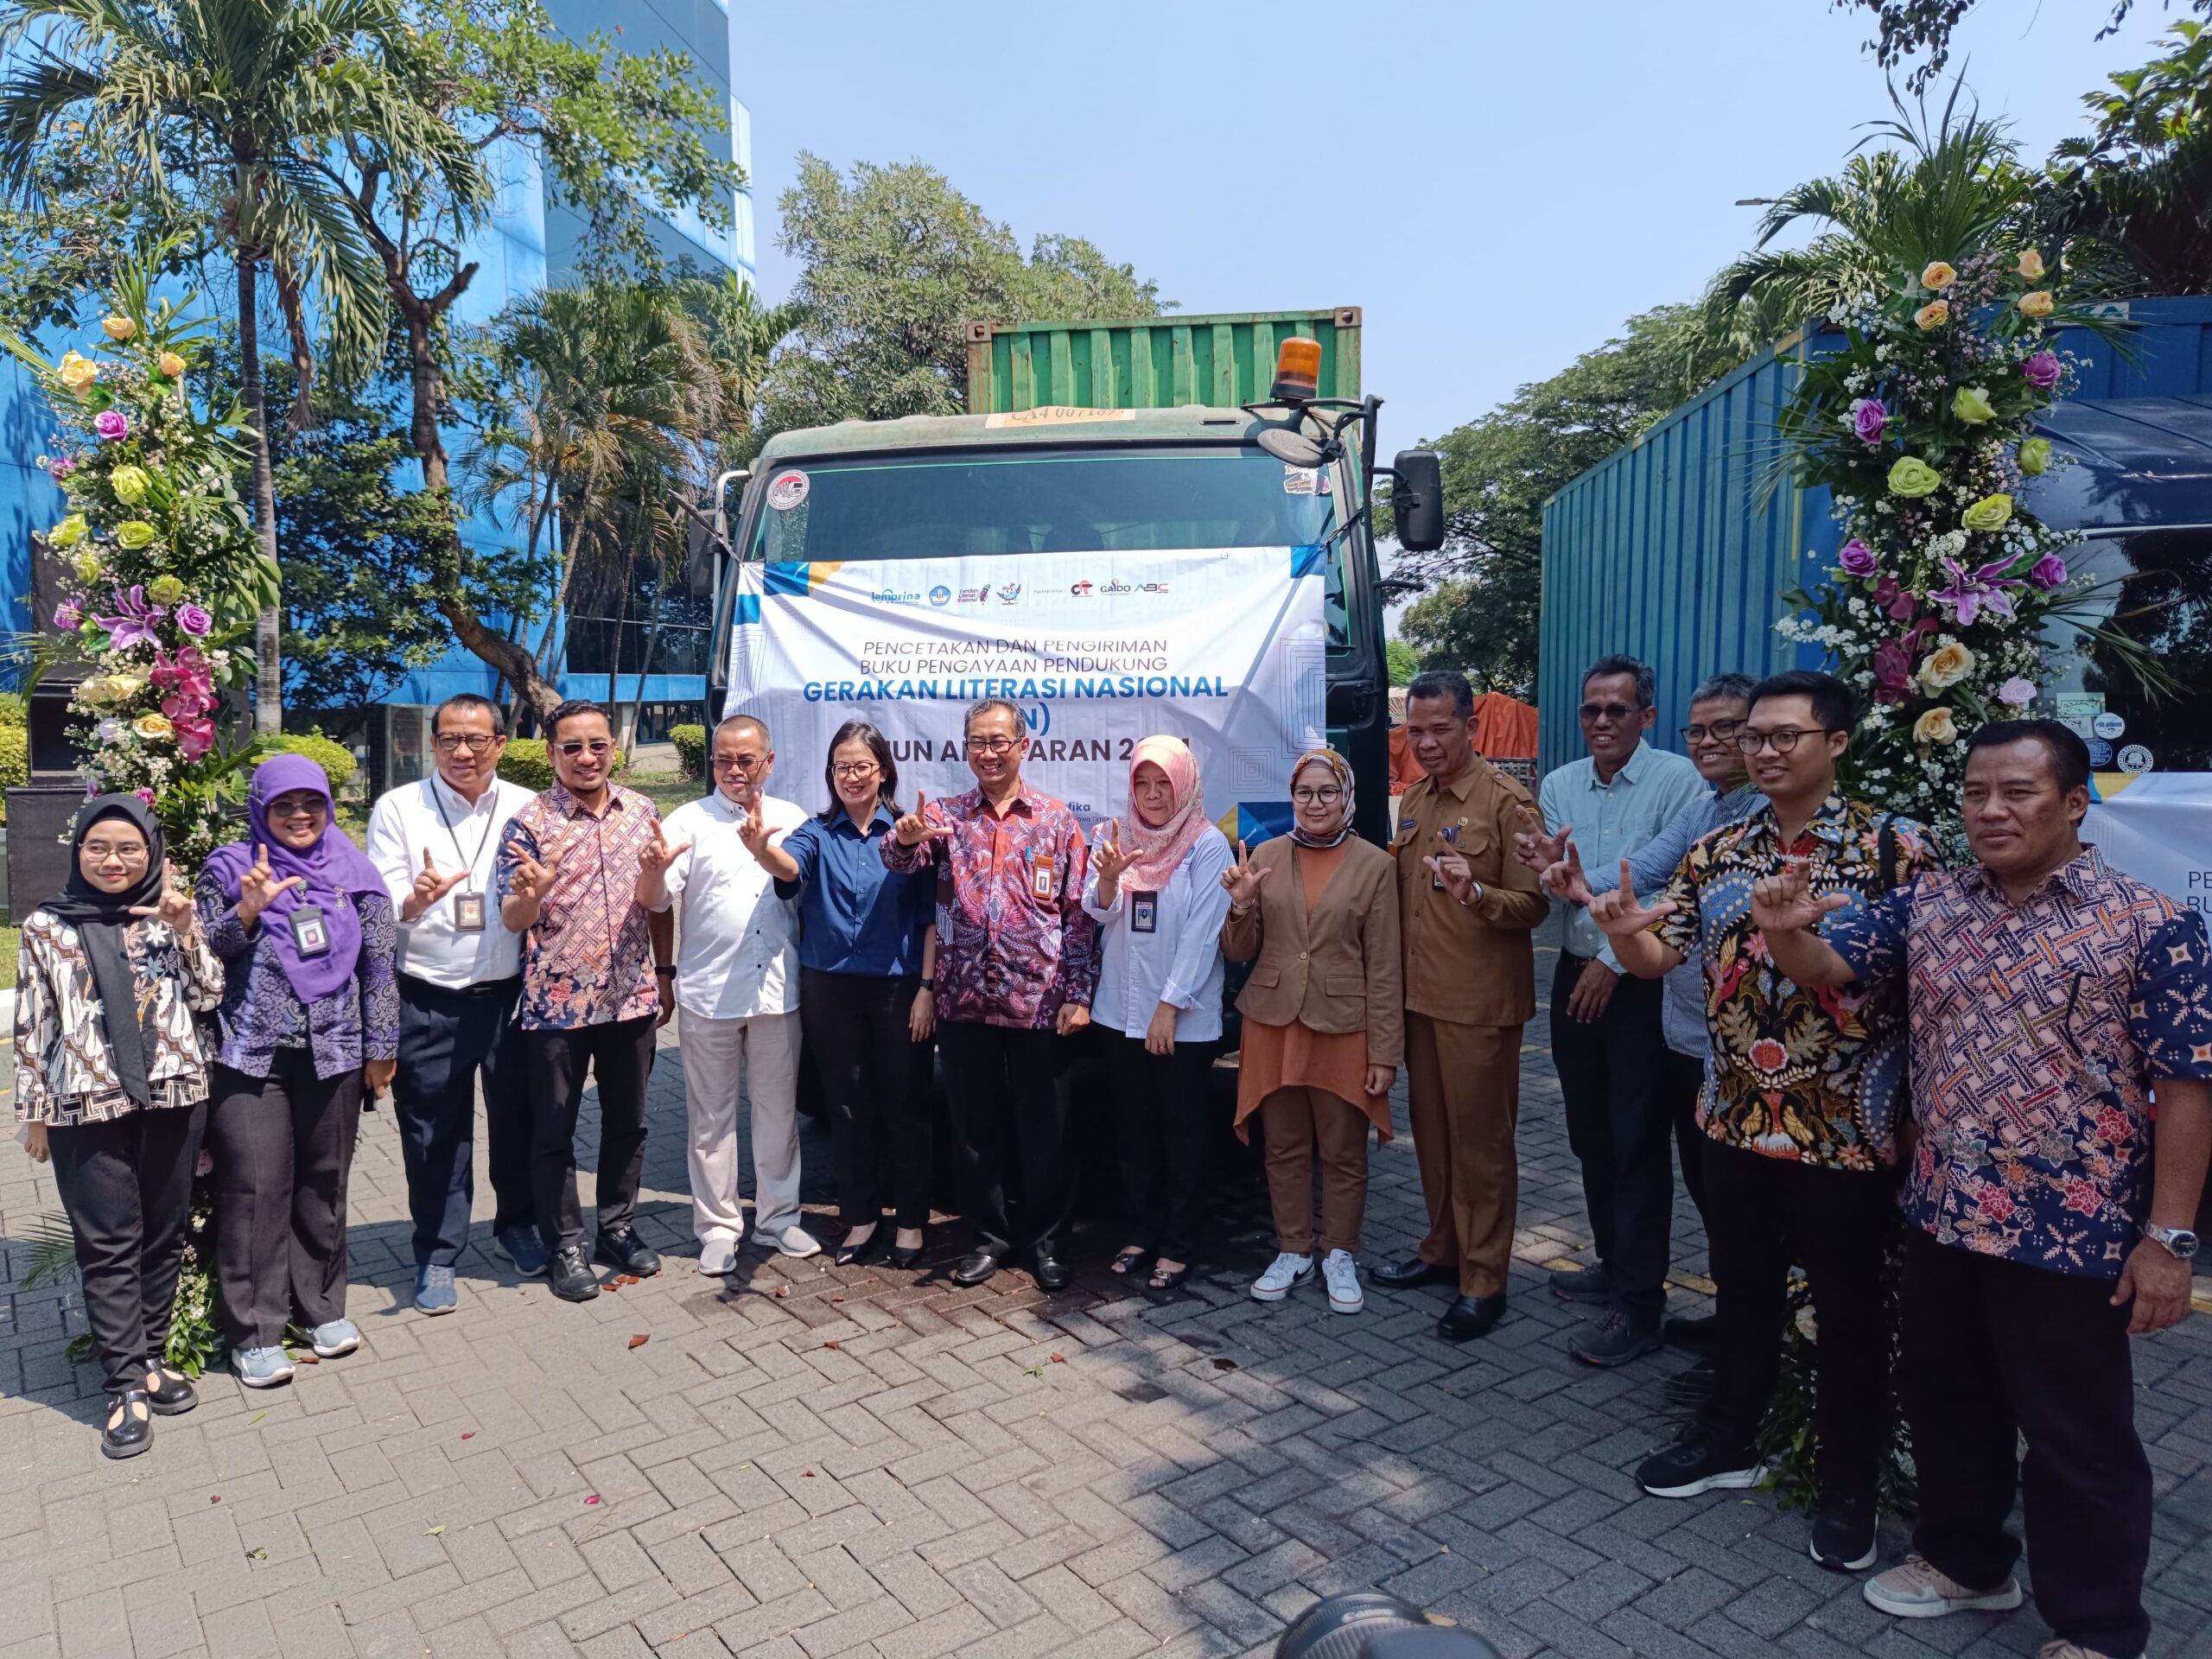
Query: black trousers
point(448, 1038)
point(876, 1085)
point(284, 1148)
point(126, 1184)
point(1160, 1133)
point(619, 1055)
point(1681, 1080)
point(1764, 1214)
point(1995, 1348)
point(1618, 1124)
point(1010, 1086)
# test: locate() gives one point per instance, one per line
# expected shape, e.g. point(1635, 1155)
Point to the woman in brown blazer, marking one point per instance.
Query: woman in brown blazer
point(1323, 1019)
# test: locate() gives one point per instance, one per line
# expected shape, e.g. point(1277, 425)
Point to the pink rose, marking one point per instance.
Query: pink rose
point(2049, 572)
point(2017, 693)
point(194, 621)
point(112, 425)
point(1857, 558)
point(1869, 418)
point(2042, 370)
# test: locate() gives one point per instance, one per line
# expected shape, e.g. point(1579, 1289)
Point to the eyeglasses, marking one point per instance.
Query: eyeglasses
point(578, 746)
point(128, 852)
point(1616, 712)
point(304, 806)
point(1721, 731)
point(853, 768)
point(993, 745)
point(738, 762)
point(1782, 741)
point(1327, 795)
point(474, 742)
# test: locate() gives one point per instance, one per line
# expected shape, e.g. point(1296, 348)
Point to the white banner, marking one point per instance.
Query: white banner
point(1225, 648)
point(2156, 827)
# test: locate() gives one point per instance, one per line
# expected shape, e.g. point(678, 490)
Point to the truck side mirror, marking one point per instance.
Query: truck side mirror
point(1417, 500)
point(702, 552)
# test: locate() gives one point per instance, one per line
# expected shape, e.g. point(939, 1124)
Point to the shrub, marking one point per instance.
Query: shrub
point(14, 711)
point(527, 763)
point(690, 749)
point(335, 759)
point(14, 761)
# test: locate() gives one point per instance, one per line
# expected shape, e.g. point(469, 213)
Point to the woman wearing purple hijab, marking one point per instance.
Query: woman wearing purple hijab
point(309, 1016)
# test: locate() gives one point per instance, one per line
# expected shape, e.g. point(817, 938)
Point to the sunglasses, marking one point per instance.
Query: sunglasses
point(576, 745)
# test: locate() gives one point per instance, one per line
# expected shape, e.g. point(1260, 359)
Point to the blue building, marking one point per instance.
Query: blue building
point(526, 246)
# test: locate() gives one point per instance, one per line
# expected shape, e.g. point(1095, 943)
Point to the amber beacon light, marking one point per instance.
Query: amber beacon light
point(1298, 372)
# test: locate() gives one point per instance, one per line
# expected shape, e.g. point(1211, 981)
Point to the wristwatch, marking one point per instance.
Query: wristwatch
point(2176, 1241)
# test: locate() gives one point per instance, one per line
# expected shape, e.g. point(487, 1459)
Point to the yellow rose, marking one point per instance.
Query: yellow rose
point(70, 531)
point(118, 328)
point(1933, 315)
point(1946, 666)
point(2037, 304)
point(153, 726)
point(133, 534)
point(87, 566)
point(125, 686)
point(1938, 276)
point(1937, 726)
point(171, 364)
point(1988, 515)
point(77, 373)
point(2031, 265)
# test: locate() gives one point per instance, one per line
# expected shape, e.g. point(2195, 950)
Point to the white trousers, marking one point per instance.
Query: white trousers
point(765, 1049)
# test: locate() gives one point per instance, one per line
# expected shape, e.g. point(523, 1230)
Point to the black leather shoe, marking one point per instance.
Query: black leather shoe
point(1411, 1272)
point(1470, 1317)
point(173, 1394)
point(977, 1265)
point(571, 1276)
point(1051, 1273)
point(132, 1432)
point(869, 1249)
point(904, 1259)
point(624, 1252)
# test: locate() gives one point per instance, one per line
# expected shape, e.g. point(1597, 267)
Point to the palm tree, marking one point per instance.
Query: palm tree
point(228, 103)
point(1937, 192)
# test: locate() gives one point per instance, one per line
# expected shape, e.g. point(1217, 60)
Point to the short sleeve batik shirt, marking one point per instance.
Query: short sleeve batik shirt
point(1809, 1073)
point(2038, 1030)
point(588, 960)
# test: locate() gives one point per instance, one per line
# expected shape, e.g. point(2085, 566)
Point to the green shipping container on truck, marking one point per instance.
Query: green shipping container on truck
point(1223, 361)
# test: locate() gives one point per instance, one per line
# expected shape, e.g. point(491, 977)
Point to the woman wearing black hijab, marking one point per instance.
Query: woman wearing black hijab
point(112, 1084)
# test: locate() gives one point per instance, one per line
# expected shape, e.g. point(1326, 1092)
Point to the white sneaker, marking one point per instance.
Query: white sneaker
point(718, 1257)
point(1917, 1589)
point(1342, 1274)
point(797, 1240)
point(1284, 1273)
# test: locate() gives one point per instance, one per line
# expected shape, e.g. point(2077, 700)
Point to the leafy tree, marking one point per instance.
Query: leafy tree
point(895, 264)
point(1402, 660)
point(226, 103)
point(1905, 29)
point(1498, 471)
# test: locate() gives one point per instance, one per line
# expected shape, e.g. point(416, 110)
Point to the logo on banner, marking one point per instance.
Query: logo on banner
point(1117, 588)
point(1155, 587)
point(1081, 590)
point(1010, 593)
point(892, 596)
point(940, 595)
point(977, 595)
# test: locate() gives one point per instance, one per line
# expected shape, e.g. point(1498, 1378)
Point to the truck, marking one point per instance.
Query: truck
point(1159, 524)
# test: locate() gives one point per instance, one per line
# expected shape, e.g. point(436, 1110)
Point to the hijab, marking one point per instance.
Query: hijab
point(1159, 853)
point(1340, 769)
point(334, 867)
point(101, 920)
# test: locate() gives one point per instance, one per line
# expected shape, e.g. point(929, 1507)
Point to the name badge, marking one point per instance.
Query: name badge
point(1144, 912)
point(1452, 838)
point(310, 932)
point(468, 912)
point(1041, 876)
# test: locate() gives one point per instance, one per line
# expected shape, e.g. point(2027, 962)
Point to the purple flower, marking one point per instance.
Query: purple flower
point(1982, 591)
point(194, 621)
point(1890, 595)
point(135, 623)
point(66, 616)
point(145, 795)
point(112, 424)
point(59, 467)
point(1857, 558)
point(2049, 572)
point(2042, 370)
point(1869, 418)
point(2017, 693)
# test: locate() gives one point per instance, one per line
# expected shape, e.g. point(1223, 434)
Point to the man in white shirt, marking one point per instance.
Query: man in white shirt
point(436, 843)
point(736, 993)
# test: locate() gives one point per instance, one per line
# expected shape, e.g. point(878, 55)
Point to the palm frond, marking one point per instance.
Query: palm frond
point(53, 1254)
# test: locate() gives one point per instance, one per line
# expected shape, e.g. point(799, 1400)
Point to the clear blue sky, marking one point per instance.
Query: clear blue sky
point(1498, 184)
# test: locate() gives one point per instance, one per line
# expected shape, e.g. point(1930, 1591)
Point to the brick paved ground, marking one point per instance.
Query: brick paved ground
point(815, 1463)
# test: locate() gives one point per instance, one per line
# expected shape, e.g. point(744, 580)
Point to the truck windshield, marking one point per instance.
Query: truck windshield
point(1025, 502)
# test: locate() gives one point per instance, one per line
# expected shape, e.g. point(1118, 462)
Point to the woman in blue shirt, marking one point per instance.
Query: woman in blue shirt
point(1154, 887)
point(867, 954)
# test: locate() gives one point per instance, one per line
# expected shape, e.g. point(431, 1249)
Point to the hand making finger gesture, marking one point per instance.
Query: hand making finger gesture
point(1786, 903)
point(913, 829)
point(1448, 865)
point(1242, 880)
point(429, 887)
point(655, 855)
point(259, 886)
point(1533, 847)
point(1110, 861)
point(752, 827)
point(1566, 877)
point(175, 910)
point(1619, 914)
point(533, 879)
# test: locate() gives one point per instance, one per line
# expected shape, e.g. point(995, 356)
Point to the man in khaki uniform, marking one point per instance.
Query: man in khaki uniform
point(1468, 906)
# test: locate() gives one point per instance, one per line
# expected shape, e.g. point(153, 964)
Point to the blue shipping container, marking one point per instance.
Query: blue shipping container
point(1677, 548)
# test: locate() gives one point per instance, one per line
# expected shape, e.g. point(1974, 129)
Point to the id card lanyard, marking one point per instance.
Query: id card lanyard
point(467, 903)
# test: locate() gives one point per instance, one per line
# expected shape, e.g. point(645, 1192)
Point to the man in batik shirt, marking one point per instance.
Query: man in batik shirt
point(2049, 1220)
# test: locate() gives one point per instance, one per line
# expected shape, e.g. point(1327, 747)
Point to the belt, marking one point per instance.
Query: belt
point(469, 993)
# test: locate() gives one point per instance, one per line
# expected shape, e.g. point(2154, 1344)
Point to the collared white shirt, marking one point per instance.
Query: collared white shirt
point(1178, 962)
point(434, 816)
point(737, 947)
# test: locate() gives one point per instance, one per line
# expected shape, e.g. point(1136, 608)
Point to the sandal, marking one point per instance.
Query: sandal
point(1126, 1260)
point(1163, 1281)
